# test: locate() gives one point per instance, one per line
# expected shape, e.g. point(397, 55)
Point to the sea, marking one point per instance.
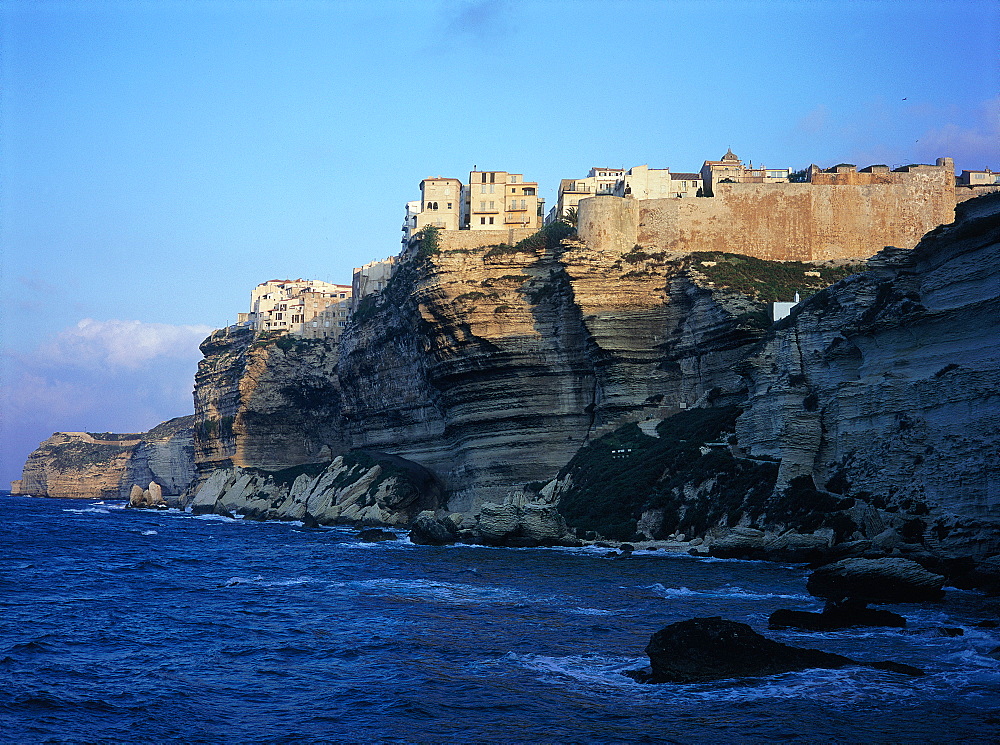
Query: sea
point(127, 626)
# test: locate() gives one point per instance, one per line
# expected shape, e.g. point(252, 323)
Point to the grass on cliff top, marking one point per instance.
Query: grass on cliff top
point(75, 455)
point(769, 281)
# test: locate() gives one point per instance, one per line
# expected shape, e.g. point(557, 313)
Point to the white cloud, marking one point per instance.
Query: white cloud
point(97, 376)
point(129, 345)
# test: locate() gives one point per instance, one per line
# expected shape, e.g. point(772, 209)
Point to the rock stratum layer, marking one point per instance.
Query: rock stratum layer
point(869, 415)
point(88, 465)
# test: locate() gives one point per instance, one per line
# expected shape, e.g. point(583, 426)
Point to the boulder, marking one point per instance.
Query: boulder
point(374, 535)
point(520, 525)
point(704, 649)
point(835, 616)
point(891, 580)
point(137, 497)
point(428, 530)
point(739, 543)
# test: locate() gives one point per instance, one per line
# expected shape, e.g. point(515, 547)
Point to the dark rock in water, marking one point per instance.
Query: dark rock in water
point(704, 649)
point(373, 535)
point(835, 616)
point(896, 667)
point(431, 531)
point(894, 580)
point(950, 631)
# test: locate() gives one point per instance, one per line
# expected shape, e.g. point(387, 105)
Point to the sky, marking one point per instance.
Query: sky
point(162, 157)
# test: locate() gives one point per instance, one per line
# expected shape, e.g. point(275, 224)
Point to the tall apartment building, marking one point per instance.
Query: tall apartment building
point(440, 206)
point(292, 305)
point(372, 277)
point(494, 200)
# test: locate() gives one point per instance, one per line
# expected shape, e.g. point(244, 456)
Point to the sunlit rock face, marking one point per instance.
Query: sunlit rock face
point(488, 365)
point(105, 465)
point(886, 386)
point(265, 401)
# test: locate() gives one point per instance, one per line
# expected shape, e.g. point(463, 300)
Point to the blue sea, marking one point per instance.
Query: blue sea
point(124, 626)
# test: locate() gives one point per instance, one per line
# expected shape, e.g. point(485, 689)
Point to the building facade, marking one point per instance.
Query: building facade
point(291, 305)
point(731, 170)
point(494, 200)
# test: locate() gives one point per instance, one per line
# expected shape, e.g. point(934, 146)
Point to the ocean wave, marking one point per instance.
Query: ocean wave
point(586, 668)
point(149, 532)
point(259, 581)
point(85, 510)
point(442, 592)
point(727, 591)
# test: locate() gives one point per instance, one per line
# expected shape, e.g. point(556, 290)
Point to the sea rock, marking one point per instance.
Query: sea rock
point(429, 530)
point(359, 488)
point(704, 649)
point(890, 580)
point(739, 543)
point(835, 616)
point(520, 525)
point(374, 535)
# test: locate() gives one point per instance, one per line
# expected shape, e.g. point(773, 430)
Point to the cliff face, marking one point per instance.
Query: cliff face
point(83, 465)
point(884, 388)
point(264, 401)
point(489, 365)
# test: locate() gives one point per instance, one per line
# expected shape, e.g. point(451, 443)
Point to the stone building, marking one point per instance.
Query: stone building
point(571, 191)
point(290, 304)
point(986, 177)
point(495, 200)
point(372, 277)
point(731, 170)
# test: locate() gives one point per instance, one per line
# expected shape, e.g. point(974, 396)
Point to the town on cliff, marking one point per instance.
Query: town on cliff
point(743, 362)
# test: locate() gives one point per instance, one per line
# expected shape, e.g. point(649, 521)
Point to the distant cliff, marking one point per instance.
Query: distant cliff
point(88, 465)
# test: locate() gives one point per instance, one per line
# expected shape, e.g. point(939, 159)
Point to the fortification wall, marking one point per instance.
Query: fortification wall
point(468, 239)
point(778, 222)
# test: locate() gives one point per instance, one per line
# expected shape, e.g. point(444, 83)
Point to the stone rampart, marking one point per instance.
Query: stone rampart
point(469, 239)
point(778, 222)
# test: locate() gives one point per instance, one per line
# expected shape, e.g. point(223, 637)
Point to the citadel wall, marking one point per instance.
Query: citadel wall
point(781, 222)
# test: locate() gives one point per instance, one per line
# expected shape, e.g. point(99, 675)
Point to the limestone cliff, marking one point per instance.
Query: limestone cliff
point(885, 388)
point(85, 465)
point(265, 401)
point(871, 419)
point(489, 365)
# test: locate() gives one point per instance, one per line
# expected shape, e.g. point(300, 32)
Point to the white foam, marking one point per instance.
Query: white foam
point(149, 532)
point(91, 510)
point(259, 581)
point(442, 592)
point(727, 591)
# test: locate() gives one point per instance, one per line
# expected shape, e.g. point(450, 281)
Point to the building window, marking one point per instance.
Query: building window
point(449, 205)
point(492, 178)
point(522, 204)
point(341, 323)
point(482, 189)
point(277, 316)
point(315, 324)
point(484, 177)
point(326, 323)
point(491, 221)
point(491, 204)
point(482, 206)
point(482, 220)
point(493, 189)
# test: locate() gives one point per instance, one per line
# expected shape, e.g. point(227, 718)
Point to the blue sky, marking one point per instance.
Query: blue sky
point(163, 157)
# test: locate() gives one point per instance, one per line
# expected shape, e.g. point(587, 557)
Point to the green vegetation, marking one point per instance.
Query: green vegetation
point(617, 477)
point(768, 281)
point(77, 454)
point(472, 297)
point(638, 253)
point(430, 241)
